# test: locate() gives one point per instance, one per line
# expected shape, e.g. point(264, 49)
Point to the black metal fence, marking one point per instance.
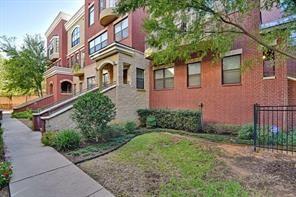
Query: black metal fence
point(275, 127)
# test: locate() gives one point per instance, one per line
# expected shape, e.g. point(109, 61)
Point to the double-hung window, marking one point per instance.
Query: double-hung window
point(102, 5)
point(91, 16)
point(194, 76)
point(268, 64)
point(164, 78)
point(98, 43)
point(121, 30)
point(140, 78)
point(91, 82)
point(231, 69)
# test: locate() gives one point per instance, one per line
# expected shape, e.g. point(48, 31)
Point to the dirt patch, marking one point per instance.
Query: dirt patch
point(263, 172)
point(124, 179)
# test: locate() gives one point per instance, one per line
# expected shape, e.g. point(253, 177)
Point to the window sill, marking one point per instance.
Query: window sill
point(141, 90)
point(292, 78)
point(193, 87)
point(65, 93)
point(119, 41)
point(231, 84)
point(268, 78)
point(164, 89)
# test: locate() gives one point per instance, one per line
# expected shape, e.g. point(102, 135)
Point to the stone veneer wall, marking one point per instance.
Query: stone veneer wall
point(64, 120)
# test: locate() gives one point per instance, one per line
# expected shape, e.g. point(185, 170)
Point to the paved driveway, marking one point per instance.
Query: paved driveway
point(41, 171)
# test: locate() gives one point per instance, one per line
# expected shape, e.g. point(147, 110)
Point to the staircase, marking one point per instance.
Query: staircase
point(54, 114)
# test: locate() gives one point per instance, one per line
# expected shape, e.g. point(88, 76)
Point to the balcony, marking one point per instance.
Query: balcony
point(78, 71)
point(107, 16)
point(53, 49)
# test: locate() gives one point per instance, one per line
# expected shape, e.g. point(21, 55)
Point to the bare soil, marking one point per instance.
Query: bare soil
point(262, 173)
point(4, 192)
point(27, 122)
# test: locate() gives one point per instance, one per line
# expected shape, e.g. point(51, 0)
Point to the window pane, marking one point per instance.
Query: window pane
point(169, 82)
point(169, 72)
point(125, 33)
point(118, 36)
point(159, 84)
point(91, 15)
point(194, 68)
point(232, 62)
point(125, 23)
point(194, 80)
point(158, 74)
point(140, 73)
point(231, 76)
point(268, 68)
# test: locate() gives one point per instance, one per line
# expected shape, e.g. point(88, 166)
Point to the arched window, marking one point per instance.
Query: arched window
point(66, 87)
point(51, 88)
point(75, 36)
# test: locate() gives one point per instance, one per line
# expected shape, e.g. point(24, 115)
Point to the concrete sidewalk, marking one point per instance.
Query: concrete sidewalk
point(41, 171)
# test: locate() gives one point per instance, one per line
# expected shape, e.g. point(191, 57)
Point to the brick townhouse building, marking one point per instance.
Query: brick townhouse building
point(222, 90)
point(95, 49)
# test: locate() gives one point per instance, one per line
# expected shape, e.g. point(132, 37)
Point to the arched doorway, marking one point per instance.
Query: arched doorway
point(66, 87)
point(106, 74)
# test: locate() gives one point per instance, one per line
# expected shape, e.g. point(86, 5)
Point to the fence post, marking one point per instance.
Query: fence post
point(255, 125)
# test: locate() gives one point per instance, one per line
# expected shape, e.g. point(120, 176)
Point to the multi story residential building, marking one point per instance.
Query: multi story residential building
point(224, 92)
point(95, 50)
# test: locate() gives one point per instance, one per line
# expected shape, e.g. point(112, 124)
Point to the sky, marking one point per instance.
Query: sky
point(21, 17)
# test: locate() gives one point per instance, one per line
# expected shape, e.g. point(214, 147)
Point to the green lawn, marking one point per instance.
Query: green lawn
point(187, 165)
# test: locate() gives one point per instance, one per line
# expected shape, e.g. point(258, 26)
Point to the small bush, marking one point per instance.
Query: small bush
point(5, 173)
point(113, 131)
point(67, 140)
point(23, 115)
point(130, 127)
point(224, 129)
point(181, 119)
point(48, 138)
point(151, 122)
point(92, 112)
point(280, 138)
point(246, 132)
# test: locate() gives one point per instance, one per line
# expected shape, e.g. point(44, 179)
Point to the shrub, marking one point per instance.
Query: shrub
point(92, 112)
point(280, 138)
point(23, 115)
point(5, 173)
point(246, 132)
point(114, 130)
point(67, 140)
point(182, 119)
point(130, 127)
point(226, 129)
point(151, 122)
point(48, 138)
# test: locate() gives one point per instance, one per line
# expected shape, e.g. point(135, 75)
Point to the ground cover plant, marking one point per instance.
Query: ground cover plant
point(23, 115)
point(165, 164)
point(5, 169)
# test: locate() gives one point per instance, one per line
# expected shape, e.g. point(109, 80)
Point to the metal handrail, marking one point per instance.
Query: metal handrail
point(75, 95)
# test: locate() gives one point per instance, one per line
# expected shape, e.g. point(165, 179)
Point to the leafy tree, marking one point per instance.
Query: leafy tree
point(23, 71)
point(92, 113)
point(206, 26)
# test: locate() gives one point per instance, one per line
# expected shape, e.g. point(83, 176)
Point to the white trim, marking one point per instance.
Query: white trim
point(269, 78)
point(75, 18)
point(75, 51)
point(57, 70)
point(292, 78)
point(66, 80)
point(233, 52)
point(61, 16)
point(91, 4)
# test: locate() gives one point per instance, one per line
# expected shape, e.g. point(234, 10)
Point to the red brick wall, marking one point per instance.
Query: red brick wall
point(270, 15)
point(56, 80)
point(292, 92)
point(60, 31)
point(135, 39)
point(225, 103)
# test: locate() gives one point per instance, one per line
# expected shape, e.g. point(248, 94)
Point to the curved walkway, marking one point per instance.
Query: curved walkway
point(41, 171)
